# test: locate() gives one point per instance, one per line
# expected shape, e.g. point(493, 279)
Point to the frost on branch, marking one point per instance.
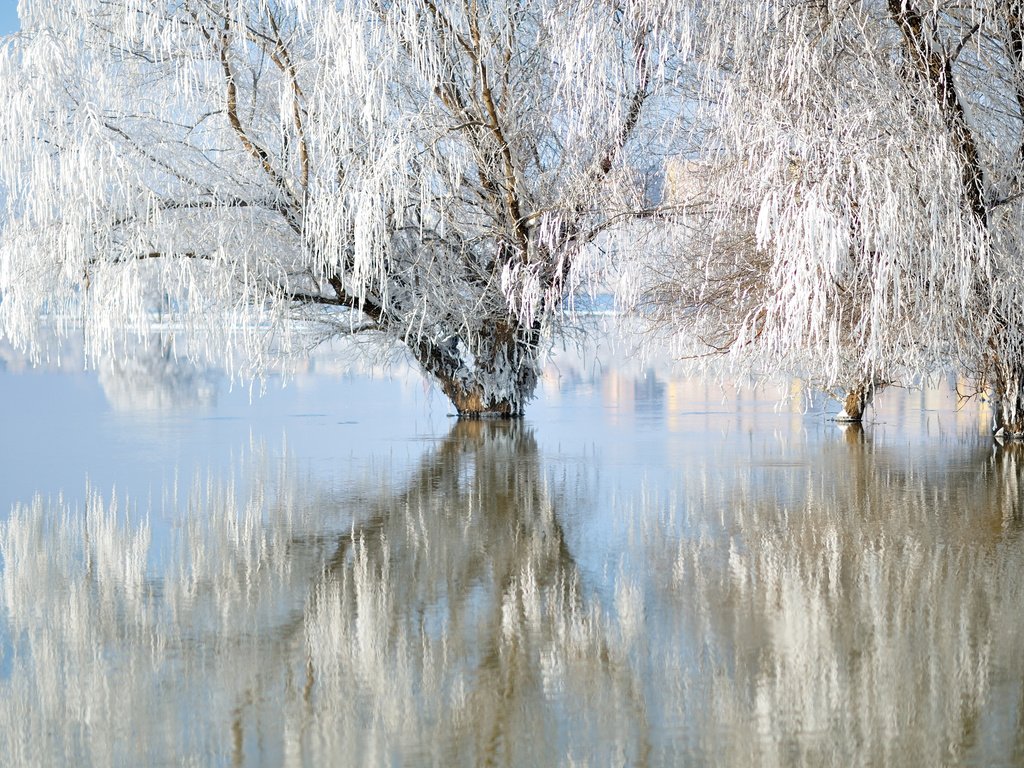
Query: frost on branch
point(425, 172)
point(854, 211)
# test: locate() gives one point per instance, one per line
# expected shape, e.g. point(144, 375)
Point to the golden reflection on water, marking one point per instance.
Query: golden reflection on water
point(857, 605)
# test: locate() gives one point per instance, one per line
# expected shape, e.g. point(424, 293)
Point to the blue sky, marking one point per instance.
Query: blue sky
point(8, 16)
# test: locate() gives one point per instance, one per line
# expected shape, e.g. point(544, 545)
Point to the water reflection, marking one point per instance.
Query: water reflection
point(152, 376)
point(863, 609)
point(457, 612)
point(853, 604)
point(443, 621)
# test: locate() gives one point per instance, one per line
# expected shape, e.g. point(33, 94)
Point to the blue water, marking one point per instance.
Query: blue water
point(648, 569)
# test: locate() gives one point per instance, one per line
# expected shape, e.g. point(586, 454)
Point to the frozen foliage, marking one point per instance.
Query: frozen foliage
point(854, 211)
point(428, 172)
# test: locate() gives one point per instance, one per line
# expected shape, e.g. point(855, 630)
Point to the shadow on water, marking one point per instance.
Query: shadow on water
point(859, 606)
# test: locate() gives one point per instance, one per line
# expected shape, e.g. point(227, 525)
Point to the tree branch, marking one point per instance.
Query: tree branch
point(369, 308)
point(250, 146)
point(504, 149)
point(937, 71)
point(635, 109)
point(1015, 49)
point(282, 58)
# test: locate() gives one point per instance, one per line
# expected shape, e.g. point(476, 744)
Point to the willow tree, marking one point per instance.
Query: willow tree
point(426, 172)
point(858, 215)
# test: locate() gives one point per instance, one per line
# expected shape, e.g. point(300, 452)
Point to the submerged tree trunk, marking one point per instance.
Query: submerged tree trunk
point(493, 375)
point(856, 401)
point(1008, 400)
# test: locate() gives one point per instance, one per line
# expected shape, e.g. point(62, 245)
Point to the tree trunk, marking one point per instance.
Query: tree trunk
point(856, 402)
point(472, 401)
point(493, 375)
point(1008, 401)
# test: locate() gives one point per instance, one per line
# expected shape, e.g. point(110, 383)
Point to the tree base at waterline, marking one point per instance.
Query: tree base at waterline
point(855, 403)
point(472, 403)
point(1013, 433)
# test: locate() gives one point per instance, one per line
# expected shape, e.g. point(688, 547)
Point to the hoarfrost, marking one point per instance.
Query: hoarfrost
point(422, 172)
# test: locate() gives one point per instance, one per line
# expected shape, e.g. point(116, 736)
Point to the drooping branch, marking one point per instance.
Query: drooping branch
point(283, 59)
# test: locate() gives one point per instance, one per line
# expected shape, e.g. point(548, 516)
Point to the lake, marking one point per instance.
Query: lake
point(649, 569)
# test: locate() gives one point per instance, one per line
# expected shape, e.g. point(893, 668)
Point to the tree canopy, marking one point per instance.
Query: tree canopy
point(843, 181)
point(857, 214)
point(427, 172)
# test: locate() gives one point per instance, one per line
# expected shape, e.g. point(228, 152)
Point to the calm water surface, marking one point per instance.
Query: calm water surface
point(646, 571)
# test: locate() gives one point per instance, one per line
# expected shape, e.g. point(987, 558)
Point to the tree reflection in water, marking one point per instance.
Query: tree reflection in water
point(452, 626)
point(152, 375)
point(441, 622)
point(858, 606)
point(862, 609)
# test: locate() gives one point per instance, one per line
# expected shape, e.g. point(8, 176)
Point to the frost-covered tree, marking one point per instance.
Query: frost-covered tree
point(858, 212)
point(429, 172)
